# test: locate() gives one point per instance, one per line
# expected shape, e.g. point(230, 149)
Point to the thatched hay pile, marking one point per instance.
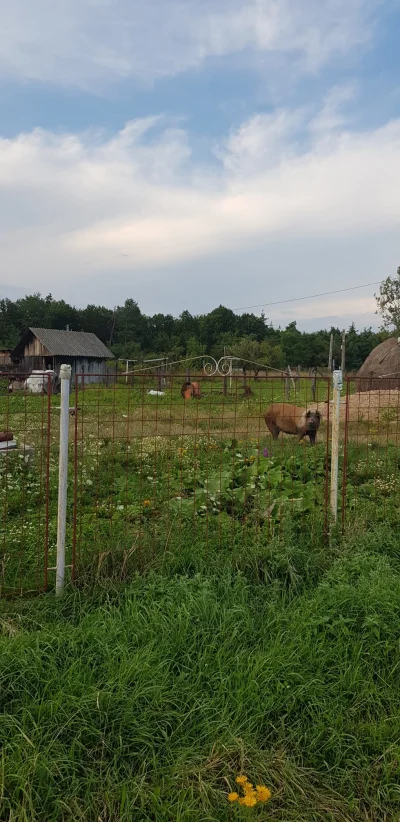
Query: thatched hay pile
point(381, 369)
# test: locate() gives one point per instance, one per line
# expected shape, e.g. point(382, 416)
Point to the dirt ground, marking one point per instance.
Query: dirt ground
point(370, 406)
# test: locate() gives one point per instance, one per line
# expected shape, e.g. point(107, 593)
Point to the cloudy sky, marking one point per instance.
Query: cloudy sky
point(188, 153)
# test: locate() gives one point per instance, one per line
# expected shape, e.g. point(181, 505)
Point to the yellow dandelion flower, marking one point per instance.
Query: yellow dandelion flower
point(248, 801)
point(233, 797)
point(263, 793)
point(241, 780)
point(146, 503)
point(248, 787)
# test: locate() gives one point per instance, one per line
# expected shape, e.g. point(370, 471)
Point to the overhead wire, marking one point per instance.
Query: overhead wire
point(309, 297)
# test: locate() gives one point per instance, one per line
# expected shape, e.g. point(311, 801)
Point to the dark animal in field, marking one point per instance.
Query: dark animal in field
point(186, 391)
point(190, 390)
point(290, 419)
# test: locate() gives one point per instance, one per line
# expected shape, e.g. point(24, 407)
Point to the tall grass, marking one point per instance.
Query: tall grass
point(144, 701)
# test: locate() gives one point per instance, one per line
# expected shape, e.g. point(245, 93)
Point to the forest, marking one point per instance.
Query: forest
point(131, 334)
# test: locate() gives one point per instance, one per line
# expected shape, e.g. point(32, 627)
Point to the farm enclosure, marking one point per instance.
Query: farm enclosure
point(152, 472)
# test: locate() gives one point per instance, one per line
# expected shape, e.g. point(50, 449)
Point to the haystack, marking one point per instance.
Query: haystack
point(381, 369)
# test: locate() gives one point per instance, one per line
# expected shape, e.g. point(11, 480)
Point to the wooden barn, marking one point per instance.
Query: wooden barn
point(48, 348)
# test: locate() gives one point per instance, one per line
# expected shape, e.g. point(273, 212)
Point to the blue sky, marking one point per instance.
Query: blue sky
point(191, 153)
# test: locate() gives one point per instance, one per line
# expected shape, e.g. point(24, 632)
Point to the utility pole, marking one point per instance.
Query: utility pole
point(343, 369)
point(330, 352)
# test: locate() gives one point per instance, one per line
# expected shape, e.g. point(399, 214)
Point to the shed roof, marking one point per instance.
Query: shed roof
point(67, 343)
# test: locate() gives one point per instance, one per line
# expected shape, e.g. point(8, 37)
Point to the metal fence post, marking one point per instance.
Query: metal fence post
point(337, 387)
point(65, 376)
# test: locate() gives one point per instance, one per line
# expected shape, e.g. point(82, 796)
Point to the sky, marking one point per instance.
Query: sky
point(188, 153)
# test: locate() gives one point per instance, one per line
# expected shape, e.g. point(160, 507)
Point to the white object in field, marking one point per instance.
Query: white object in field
point(38, 381)
point(156, 393)
point(7, 446)
point(337, 387)
point(65, 376)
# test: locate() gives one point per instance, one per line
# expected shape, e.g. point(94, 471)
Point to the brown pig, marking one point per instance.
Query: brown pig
point(290, 419)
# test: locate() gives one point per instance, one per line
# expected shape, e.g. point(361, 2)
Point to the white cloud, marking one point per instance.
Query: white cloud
point(136, 212)
point(262, 142)
point(331, 115)
point(92, 43)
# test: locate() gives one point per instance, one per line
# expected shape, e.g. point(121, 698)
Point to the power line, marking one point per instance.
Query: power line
point(310, 297)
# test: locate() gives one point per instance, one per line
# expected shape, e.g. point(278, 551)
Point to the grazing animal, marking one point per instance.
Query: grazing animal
point(190, 390)
point(186, 390)
point(290, 419)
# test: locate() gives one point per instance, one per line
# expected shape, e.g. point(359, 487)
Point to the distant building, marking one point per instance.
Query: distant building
point(5, 356)
point(47, 348)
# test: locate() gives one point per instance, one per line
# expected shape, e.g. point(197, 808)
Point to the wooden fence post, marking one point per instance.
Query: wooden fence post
point(314, 386)
point(291, 377)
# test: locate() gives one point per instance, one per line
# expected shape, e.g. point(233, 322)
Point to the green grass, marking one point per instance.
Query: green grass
point(191, 462)
point(145, 701)
point(213, 629)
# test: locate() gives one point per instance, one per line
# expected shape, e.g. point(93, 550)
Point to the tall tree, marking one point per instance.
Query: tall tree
point(98, 319)
point(388, 302)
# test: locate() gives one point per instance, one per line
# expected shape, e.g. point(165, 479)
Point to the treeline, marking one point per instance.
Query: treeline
point(131, 334)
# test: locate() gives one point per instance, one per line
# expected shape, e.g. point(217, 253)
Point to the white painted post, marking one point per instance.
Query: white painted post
point(337, 387)
point(65, 376)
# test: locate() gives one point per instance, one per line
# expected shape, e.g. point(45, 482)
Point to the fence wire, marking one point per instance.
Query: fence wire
point(370, 427)
point(27, 498)
point(184, 464)
point(188, 464)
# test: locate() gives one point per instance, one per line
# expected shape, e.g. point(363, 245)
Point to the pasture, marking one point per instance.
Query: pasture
point(217, 624)
point(148, 471)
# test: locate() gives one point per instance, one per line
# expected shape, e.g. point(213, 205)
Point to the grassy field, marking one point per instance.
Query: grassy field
point(145, 701)
point(214, 628)
point(154, 471)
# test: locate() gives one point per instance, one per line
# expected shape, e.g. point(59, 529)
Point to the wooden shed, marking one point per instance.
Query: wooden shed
point(49, 348)
point(5, 357)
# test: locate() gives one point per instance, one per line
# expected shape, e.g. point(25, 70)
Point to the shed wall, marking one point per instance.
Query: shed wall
point(94, 370)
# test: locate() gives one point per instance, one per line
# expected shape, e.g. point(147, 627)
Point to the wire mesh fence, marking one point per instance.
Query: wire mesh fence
point(28, 464)
point(181, 464)
point(370, 428)
point(191, 464)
